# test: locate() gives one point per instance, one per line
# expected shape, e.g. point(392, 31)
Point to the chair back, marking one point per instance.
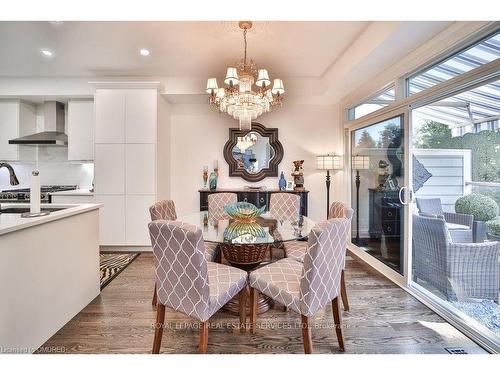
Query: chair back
point(284, 206)
point(430, 240)
point(216, 203)
point(163, 210)
point(430, 206)
point(323, 264)
point(339, 210)
point(181, 268)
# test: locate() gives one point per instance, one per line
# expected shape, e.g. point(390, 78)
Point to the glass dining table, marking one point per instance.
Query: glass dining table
point(248, 244)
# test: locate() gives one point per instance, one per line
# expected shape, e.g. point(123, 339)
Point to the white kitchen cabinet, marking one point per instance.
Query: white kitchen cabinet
point(140, 169)
point(112, 219)
point(17, 119)
point(141, 115)
point(109, 116)
point(109, 168)
point(81, 130)
point(137, 218)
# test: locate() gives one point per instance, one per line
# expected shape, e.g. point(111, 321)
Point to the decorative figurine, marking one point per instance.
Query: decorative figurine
point(205, 176)
point(383, 175)
point(212, 181)
point(282, 182)
point(298, 175)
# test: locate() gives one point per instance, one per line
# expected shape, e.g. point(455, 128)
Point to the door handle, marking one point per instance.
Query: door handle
point(403, 188)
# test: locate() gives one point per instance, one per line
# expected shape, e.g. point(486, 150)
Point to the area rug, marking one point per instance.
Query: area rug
point(111, 264)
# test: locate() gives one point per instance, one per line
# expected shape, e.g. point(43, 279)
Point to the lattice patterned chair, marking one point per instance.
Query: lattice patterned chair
point(460, 271)
point(165, 210)
point(284, 206)
point(459, 225)
point(187, 282)
point(307, 287)
point(216, 203)
point(297, 249)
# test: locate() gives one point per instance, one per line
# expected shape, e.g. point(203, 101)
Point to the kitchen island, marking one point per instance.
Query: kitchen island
point(49, 271)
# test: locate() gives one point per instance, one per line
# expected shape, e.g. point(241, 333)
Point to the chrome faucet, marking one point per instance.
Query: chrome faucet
point(13, 177)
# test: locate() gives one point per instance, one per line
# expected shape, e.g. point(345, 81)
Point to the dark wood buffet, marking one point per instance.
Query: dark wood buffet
point(256, 197)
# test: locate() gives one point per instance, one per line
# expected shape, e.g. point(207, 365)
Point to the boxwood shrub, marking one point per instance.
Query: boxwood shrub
point(483, 208)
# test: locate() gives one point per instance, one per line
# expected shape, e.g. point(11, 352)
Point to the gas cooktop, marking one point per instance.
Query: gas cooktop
point(22, 195)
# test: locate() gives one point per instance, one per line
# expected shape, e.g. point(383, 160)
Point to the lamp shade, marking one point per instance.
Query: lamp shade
point(360, 162)
point(211, 85)
point(231, 76)
point(278, 87)
point(328, 162)
point(263, 78)
point(221, 93)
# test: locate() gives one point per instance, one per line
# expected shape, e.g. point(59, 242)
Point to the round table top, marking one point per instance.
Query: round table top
point(265, 230)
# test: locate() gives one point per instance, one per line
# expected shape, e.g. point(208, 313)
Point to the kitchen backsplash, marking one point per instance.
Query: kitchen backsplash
point(55, 169)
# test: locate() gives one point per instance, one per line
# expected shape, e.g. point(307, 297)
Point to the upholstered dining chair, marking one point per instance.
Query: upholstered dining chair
point(297, 249)
point(283, 206)
point(187, 282)
point(216, 203)
point(307, 287)
point(165, 210)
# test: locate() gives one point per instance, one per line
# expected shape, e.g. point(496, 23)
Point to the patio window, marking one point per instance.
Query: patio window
point(473, 57)
point(374, 103)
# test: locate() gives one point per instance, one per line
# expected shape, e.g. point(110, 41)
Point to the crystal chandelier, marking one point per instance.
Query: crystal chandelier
point(238, 99)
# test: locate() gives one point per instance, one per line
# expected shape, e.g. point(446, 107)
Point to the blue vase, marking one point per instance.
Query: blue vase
point(282, 182)
point(212, 181)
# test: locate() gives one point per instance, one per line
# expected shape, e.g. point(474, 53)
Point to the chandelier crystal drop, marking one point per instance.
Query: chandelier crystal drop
point(238, 99)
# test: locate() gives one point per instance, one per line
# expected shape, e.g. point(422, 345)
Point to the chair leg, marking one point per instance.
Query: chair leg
point(253, 309)
point(160, 320)
point(203, 337)
point(343, 291)
point(155, 299)
point(306, 334)
point(243, 310)
point(337, 318)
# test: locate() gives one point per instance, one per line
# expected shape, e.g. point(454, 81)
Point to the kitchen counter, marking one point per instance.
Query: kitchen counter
point(13, 222)
point(73, 192)
point(49, 272)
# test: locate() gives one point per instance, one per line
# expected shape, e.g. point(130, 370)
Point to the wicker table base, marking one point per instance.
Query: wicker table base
point(246, 257)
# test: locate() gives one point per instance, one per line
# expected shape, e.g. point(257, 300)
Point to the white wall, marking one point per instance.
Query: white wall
point(198, 136)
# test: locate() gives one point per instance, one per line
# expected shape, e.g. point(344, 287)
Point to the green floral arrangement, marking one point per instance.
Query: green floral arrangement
point(494, 227)
point(483, 208)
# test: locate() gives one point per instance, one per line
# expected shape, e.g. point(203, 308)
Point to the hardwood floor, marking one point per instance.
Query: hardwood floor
point(382, 319)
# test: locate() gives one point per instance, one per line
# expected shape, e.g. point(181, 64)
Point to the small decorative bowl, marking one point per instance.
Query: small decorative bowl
point(244, 211)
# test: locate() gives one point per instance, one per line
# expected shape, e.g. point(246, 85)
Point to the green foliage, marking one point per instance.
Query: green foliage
point(494, 226)
point(390, 132)
point(483, 208)
point(366, 140)
point(484, 146)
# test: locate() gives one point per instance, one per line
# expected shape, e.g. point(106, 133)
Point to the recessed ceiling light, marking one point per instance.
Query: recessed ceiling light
point(46, 52)
point(144, 52)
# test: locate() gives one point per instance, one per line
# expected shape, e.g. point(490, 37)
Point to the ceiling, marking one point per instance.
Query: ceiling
point(90, 49)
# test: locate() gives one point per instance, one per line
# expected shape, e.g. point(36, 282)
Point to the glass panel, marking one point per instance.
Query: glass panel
point(456, 184)
point(376, 102)
point(378, 174)
point(473, 57)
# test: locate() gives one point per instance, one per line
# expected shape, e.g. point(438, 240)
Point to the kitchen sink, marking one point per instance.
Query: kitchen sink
point(21, 210)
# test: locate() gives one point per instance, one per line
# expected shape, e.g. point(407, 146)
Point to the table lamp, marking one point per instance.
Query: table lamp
point(359, 162)
point(328, 163)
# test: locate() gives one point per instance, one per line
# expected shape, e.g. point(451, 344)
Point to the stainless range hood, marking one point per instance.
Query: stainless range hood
point(53, 134)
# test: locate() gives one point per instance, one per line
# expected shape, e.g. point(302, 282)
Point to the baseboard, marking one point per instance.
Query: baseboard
point(125, 249)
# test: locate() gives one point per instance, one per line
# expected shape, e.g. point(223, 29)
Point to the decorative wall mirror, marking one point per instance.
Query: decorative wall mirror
point(253, 154)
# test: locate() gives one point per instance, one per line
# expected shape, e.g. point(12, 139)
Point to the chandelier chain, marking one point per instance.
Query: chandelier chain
point(245, 39)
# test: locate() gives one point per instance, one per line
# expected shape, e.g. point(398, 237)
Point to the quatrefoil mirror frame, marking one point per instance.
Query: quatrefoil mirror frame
point(275, 144)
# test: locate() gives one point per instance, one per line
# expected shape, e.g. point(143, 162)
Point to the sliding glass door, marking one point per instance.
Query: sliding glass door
point(456, 222)
point(378, 191)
